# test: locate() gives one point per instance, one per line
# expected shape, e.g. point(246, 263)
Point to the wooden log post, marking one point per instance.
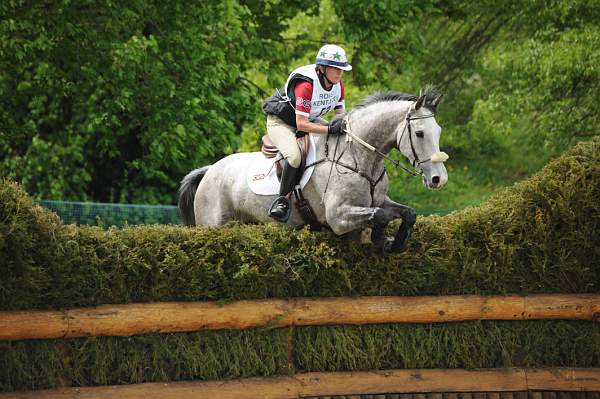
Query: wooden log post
point(163, 317)
point(416, 381)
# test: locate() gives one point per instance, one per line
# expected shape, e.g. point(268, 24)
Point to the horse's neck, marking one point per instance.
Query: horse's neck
point(377, 124)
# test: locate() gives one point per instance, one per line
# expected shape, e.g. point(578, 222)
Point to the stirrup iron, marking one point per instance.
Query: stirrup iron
point(280, 209)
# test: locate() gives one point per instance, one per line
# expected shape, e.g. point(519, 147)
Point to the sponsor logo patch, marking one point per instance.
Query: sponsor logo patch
point(300, 102)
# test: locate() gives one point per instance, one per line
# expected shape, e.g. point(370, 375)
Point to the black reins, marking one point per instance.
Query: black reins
point(373, 182)
point(337, 161)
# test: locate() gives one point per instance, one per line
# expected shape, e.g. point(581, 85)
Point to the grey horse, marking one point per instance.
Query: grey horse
point(348, 187)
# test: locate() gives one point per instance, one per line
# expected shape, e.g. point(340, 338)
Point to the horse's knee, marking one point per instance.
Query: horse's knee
point(342, 225)
point(380, 217)
point(340, 228)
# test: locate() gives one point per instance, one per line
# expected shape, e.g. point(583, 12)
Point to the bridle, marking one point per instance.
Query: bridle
point(350, 137)
point(416, 163)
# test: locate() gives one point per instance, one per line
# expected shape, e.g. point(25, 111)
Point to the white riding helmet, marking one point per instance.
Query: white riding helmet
point(333, 56)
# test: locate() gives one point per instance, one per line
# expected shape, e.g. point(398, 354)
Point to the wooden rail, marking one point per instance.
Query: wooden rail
point(335, 384)
point(163, 317)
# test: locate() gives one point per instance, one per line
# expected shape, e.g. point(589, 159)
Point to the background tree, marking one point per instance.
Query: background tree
point(113, 101)
point(519, 78)
point(117, 101)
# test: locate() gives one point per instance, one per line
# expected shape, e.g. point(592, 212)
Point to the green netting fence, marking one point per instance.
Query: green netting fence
point(105, 214)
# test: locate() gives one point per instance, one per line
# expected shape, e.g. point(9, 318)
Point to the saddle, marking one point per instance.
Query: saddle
point(269, 150)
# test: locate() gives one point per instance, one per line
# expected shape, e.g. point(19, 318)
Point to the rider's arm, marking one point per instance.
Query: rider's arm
point(304, 125)
point(303, 92)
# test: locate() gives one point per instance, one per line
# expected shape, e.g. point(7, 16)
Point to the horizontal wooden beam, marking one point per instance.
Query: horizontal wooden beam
point(163, 317)
point(344, 383)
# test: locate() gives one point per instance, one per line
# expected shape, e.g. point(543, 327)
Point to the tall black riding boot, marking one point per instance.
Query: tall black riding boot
point(280, 209)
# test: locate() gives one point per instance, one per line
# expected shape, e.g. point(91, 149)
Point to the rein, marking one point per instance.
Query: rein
point(396, 163)
point(381, 154)
point(372, 182)
point(352, 137)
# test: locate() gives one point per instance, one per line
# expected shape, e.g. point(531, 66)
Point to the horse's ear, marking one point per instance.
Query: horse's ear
point(436, 101)
point(420, 102)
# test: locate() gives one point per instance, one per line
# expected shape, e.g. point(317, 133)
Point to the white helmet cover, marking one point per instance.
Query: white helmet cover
point(334, 56)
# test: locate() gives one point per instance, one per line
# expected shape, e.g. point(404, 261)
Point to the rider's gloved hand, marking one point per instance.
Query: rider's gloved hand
point(337, 126)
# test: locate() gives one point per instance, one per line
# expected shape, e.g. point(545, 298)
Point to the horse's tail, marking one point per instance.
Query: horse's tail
point(187, 192)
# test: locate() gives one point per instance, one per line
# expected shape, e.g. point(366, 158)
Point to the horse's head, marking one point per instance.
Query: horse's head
point(418, 139)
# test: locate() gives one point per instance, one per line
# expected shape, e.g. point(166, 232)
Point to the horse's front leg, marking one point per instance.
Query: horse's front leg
point(408, 216)
point(346, 218)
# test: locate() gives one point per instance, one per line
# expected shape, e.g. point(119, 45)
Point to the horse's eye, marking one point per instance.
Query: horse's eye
point(419, 133)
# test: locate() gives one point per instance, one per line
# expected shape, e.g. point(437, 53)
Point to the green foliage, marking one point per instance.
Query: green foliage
point(30, 365)
point(380, 51)
point(537, 237)
point(28, 243)
point(116, 101)
point(456, 345)
point(551, 93)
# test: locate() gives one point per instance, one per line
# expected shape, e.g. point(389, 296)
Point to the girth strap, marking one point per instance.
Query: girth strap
point(305, 209)
point(307, 213)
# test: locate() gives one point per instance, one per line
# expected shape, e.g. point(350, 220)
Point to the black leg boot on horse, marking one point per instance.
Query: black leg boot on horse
point(281, 208)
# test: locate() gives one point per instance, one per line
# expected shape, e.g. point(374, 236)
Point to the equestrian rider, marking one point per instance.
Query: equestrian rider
point(310, 92)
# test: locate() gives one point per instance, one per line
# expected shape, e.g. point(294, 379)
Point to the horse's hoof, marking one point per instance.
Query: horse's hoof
point(399, 248)
point(389, 245)
point(400, 243)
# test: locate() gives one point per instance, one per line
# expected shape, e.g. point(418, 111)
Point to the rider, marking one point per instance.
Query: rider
point(309, 92)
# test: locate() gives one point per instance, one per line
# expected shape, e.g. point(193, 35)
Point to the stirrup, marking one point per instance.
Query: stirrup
point(280, 209)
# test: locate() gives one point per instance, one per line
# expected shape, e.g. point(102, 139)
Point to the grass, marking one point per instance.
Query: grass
point(472, 178)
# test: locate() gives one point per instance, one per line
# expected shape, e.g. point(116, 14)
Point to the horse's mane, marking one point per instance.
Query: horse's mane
point(430, 94)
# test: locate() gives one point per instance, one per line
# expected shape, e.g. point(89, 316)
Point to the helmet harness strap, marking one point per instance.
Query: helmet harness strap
point(323, 76)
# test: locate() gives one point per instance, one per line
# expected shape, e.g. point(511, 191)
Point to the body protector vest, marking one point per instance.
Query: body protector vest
point(283, 102)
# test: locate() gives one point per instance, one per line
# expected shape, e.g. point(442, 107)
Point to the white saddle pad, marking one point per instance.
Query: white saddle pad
point(262, 177)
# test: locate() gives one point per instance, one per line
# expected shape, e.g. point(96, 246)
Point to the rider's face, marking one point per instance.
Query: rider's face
point(333, 74)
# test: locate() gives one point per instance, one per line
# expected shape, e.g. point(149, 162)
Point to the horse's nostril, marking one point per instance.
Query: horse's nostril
point(435, 179)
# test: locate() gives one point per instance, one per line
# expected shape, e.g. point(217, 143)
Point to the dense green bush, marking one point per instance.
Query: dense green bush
point(539, 236)
point(28, 365)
